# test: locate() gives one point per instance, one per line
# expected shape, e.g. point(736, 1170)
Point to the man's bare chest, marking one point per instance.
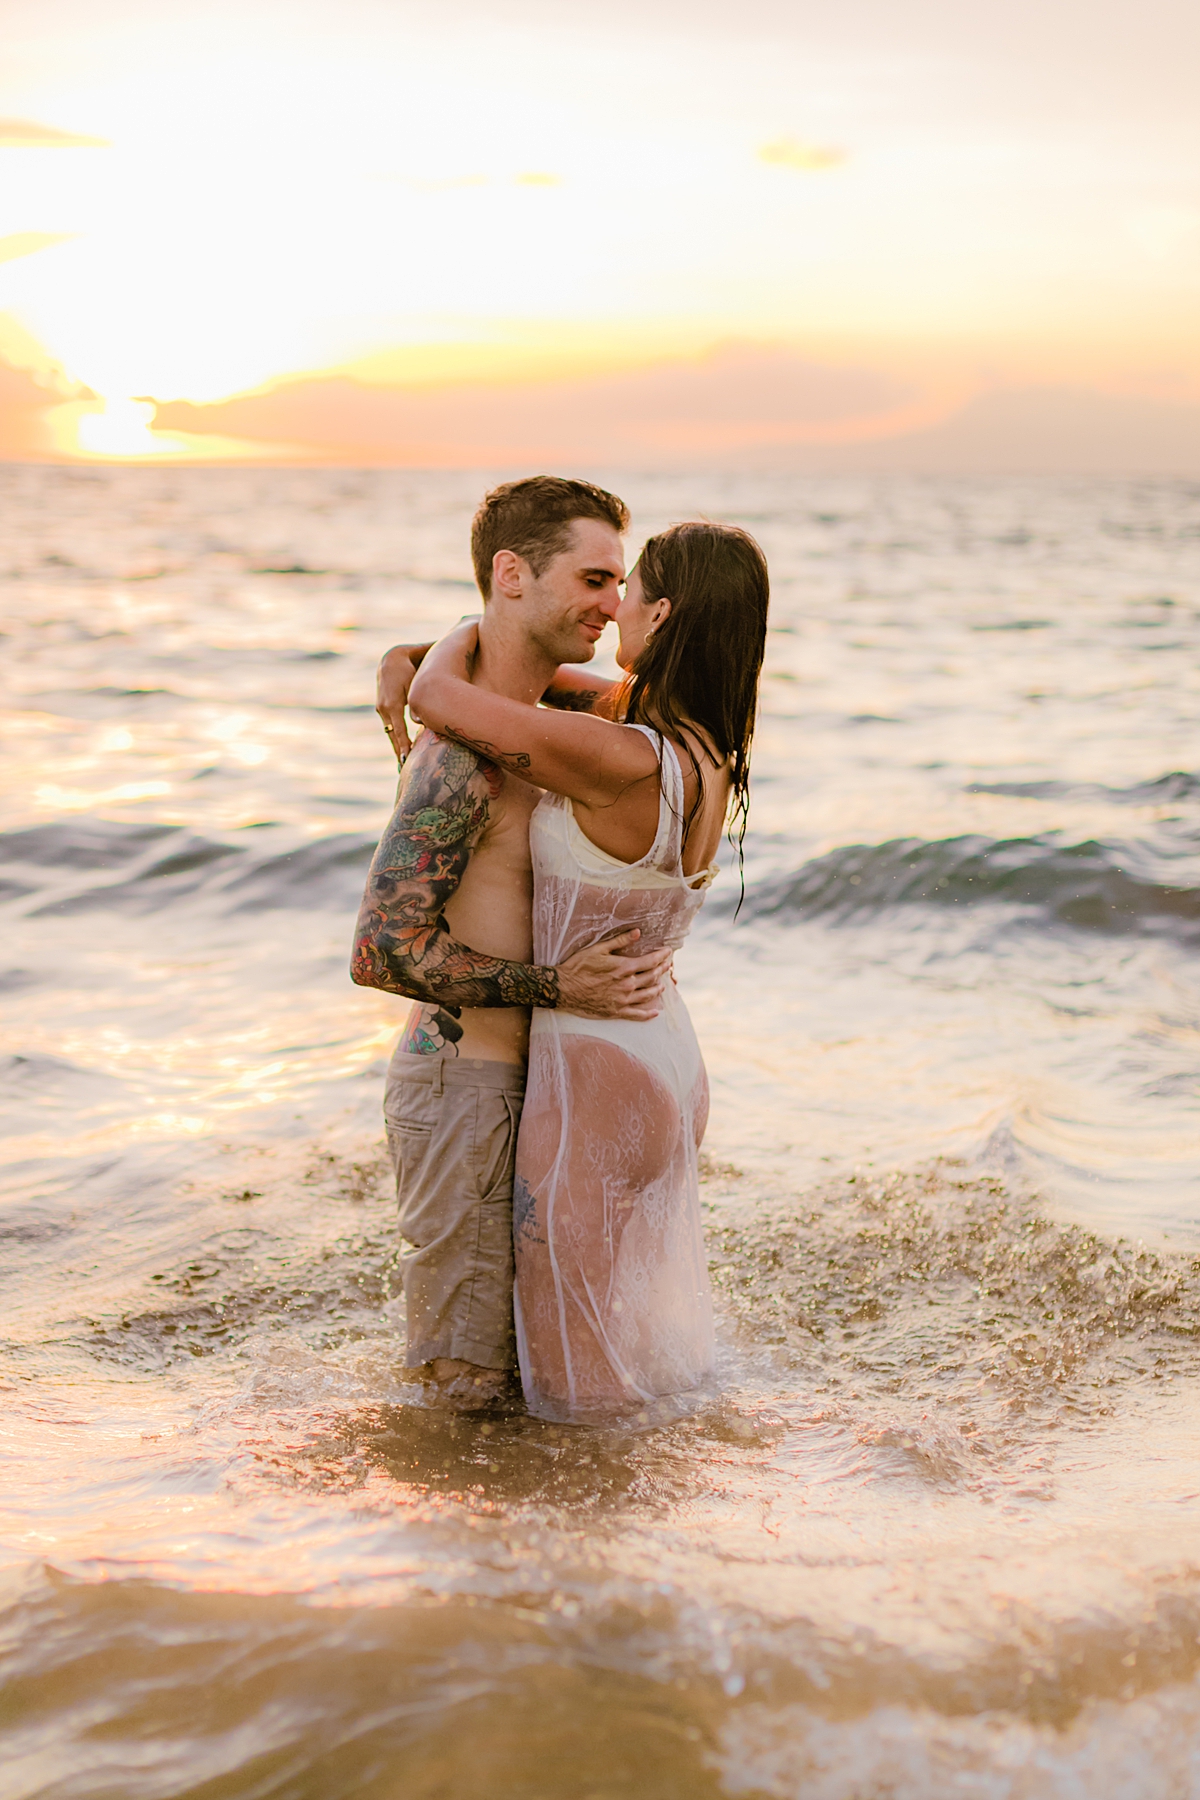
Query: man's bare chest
point(492, 908)
point(505, 840)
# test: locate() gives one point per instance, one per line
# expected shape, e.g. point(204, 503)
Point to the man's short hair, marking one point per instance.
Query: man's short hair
point(533, 519)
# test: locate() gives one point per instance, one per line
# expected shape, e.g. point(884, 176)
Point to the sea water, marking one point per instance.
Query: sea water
point(936, 1530)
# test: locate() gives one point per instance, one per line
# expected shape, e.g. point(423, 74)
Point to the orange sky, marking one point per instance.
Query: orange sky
point(486, 233)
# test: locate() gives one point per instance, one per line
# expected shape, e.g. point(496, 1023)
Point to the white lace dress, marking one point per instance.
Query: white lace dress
point(613, 1304)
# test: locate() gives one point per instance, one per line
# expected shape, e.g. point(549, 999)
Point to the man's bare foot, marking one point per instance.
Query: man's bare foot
point(463, 1386)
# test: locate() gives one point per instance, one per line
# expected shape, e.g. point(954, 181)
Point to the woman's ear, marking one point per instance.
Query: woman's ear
point(662, 612)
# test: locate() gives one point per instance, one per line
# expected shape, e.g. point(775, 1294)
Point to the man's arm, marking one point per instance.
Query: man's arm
point(403, 945)
point(402, 942)
point(577, 690)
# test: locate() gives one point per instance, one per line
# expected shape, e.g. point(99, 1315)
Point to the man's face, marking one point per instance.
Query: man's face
point(576, 595)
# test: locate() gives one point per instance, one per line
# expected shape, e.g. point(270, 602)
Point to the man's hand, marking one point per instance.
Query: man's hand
point(395, 677)
point(601, 983)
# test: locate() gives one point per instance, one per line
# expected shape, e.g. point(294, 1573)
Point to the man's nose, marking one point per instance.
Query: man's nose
point(610, 601)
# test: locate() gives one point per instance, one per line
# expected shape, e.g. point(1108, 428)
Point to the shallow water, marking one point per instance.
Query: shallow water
point(936, 1530)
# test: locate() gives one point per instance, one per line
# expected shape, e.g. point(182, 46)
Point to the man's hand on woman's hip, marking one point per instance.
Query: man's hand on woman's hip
point(602, 983)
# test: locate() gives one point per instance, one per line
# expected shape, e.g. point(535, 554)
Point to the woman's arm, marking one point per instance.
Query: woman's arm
point(579, 690)
point(393, 679)
point(587, 758)
point(572, 690)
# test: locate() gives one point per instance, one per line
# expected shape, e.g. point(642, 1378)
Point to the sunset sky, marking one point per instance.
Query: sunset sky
point(663, 230)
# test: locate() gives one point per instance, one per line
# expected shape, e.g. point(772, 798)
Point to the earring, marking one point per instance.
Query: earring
point(650, 633)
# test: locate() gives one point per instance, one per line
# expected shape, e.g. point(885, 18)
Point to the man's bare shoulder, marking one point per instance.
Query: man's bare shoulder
point(446, 790)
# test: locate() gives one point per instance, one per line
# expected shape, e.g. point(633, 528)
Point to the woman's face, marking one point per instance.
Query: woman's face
point(635, 618)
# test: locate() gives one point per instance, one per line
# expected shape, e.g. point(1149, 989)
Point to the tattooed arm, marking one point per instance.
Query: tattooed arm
point(404, 946)
point(402, 942)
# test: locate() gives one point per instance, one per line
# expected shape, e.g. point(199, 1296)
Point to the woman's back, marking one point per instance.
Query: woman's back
point(626, 826)
point(584, 890)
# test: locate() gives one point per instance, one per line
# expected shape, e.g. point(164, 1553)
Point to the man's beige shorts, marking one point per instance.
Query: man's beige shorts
point(452, 1132)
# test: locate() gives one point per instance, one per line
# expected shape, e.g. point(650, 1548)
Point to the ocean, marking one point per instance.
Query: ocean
point(936, 1529)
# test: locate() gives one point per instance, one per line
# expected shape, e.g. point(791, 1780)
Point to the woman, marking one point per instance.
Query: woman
point(612, 1297)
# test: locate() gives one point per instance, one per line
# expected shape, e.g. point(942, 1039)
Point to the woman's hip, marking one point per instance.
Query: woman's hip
point(667, 1045)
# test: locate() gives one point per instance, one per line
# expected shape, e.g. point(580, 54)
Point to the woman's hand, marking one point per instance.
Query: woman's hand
point(395, 677)
point(601, 983)
point(450, 659)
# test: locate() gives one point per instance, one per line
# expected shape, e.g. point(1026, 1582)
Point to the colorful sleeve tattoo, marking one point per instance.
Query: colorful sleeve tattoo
point(402, 943)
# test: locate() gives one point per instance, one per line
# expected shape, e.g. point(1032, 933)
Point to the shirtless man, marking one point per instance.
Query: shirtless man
point(452, 870)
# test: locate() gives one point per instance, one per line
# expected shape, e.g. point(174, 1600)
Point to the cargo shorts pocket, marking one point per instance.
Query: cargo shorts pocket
point(410, 1113)
point(495, 1145)
point(412, 1105)
point(407, 1147)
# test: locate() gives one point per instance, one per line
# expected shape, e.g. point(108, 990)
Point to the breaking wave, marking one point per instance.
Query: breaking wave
point(946, 1315)
point(1093, 886)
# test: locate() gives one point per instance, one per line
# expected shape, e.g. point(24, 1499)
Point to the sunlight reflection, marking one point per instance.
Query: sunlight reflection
point(60, 799)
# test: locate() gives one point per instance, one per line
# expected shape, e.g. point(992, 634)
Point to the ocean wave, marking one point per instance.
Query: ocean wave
point(53, 868)
point(329, 872)
point(79, 843)
point(1093, 886)
point(1106, 1749)
point(1162, 791)
point(38, 1078)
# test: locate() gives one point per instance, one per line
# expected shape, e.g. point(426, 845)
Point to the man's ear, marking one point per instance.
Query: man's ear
point(508, 572)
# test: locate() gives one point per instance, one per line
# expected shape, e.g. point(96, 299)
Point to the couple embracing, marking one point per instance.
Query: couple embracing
point(553, 839)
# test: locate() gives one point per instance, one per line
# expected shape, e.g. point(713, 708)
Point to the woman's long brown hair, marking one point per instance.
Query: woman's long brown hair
point(702, 665)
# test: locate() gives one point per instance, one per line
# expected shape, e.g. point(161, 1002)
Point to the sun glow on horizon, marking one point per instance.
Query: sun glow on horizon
point(119, 428)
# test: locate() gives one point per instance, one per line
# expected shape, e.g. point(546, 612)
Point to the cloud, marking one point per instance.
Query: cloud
point(24, 405)
point(740, 407)
point(789, 153)
point(673, 413)
point(24, 243)
point(26, 134)
point(744, 408)
point(535, 178)
point(442, 185)
point(1047, 431)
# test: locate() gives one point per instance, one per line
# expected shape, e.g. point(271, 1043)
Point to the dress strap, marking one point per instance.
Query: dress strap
point(666, 852)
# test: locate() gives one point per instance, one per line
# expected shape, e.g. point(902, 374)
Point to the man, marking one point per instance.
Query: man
point(446, 920)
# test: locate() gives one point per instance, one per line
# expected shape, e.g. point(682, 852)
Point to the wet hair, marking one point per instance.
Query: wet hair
point(701, 667)
point(533, 519)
